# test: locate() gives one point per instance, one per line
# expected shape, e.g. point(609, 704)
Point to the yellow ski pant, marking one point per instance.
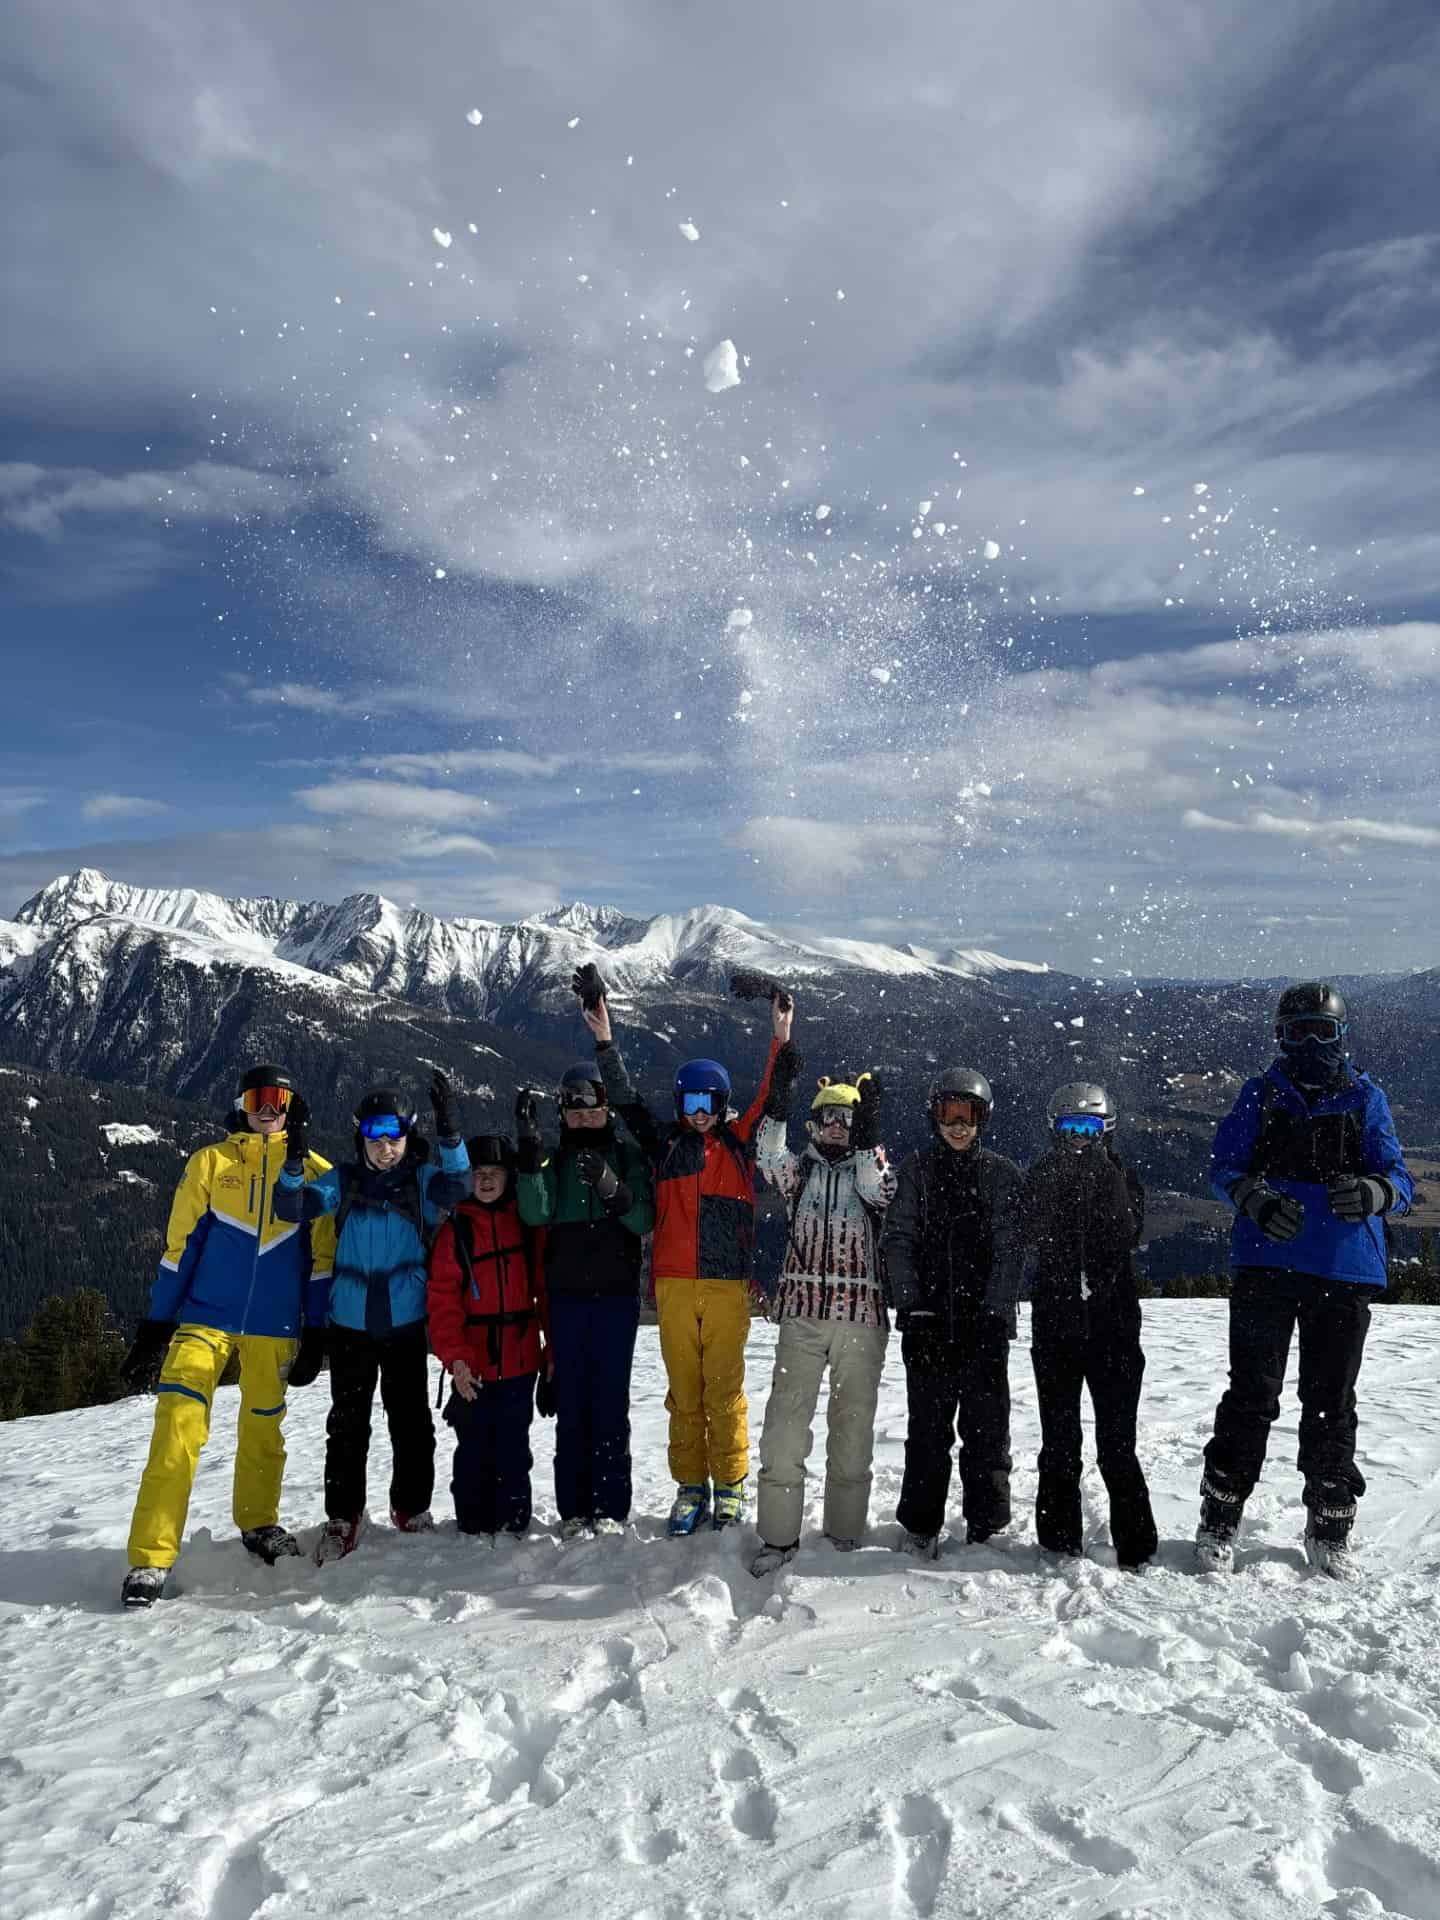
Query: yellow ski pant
point(188, 1380)
point(703, 1328)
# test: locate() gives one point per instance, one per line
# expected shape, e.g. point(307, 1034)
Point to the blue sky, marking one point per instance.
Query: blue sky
point(1062, 576)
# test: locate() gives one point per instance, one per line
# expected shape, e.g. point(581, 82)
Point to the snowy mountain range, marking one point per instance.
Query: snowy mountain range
point(487, 970)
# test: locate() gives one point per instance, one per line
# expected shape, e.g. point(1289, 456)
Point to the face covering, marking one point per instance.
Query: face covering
point(1315, 1063)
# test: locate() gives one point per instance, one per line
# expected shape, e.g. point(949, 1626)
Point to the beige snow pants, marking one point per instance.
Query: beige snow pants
point(855, 1356)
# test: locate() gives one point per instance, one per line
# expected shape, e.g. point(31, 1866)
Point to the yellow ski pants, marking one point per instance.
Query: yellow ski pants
point(703, 1328)
point(188, 1379)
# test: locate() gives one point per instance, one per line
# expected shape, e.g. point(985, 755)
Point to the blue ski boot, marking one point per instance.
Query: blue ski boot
point(692, 1503)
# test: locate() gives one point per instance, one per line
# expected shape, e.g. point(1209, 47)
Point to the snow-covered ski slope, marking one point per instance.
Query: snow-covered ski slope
point(639, 1728)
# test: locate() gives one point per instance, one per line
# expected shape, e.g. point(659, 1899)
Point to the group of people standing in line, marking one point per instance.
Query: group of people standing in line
point(521, 1270)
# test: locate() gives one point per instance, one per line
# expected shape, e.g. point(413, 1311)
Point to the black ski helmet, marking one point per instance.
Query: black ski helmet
point(1310, 999)
point(961, 1083)
point(264, 1076)
point(490, 1150)
point(581, 1086)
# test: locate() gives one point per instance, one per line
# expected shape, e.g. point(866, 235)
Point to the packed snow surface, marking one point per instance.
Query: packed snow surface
point(639, 1728)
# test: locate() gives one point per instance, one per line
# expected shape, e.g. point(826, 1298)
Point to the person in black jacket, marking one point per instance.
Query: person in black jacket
point(953, 1255)
point(1084, 1211)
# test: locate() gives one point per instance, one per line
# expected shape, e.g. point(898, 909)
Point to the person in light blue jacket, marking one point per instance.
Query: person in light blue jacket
point(1309, 1160)
point(386, 1204)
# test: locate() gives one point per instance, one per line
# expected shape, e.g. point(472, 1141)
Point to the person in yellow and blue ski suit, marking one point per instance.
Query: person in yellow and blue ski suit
point(234, 1278)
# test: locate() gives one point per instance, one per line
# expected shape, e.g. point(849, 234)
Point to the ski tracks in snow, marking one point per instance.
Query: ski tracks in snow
point(638, 1730)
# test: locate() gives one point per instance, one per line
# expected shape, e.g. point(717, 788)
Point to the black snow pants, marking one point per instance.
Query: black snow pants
point(400, 1362)
point(957, 1388)
point(1101, 1351)
point(1267, 1304)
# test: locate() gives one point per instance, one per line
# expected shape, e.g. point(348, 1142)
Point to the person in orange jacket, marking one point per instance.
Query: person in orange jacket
point(704, 1251)
point(486, 1303)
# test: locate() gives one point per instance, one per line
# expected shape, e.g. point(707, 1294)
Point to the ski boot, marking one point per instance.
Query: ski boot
point(604, 1528)
point(771, 1559)
point(729, 1503)
point(575, 1528)
point(692, 1503)
point(413, 1522)
point(269, 1543)
point(924, 1546)
point(1327, 1533)
point(337, 1538)
point(143, 1586)
point(1220, 1511)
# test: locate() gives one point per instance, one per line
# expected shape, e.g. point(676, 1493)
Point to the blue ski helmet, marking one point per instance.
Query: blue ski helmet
point(703, 1076)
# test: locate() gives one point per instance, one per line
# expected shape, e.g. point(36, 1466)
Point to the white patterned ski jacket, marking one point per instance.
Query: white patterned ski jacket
point(832, 1261)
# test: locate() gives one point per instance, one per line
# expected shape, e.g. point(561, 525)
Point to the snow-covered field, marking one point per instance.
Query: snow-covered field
point(639, 1728)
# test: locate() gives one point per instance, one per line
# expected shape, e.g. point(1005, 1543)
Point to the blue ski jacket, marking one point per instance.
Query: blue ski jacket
point(1297, 1146)
point(379, 1282)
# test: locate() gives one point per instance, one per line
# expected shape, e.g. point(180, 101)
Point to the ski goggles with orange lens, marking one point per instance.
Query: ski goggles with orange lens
point(952, 1111)
point(256, 1099)
point(386, 1126)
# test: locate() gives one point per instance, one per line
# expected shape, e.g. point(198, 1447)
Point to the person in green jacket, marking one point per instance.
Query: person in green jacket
point(595, 1198)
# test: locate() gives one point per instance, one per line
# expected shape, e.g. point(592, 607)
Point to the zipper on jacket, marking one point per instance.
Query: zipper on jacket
point(259, 1229)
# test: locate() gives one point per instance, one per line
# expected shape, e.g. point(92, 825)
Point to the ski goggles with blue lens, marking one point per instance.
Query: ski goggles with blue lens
point(386, 1126)
point(706, 1100)
point(1312, 1026)
point(1080, 1126)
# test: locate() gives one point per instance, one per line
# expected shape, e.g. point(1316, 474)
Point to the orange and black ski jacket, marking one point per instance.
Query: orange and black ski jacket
point(704, 1182)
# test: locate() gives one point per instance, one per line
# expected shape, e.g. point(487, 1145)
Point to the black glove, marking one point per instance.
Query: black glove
point(1358, 1196)
point(588, 985)
point(788, 1062)
point(545, 1402)
point(527, 1114)
point(305, 1367)
point(1278, 1216)
point(595, 1171)
point(442, 1102)
point(297, 1129)
point(141, 1366)
point(865, 1128)
point(917, 1320)
point(749, 985)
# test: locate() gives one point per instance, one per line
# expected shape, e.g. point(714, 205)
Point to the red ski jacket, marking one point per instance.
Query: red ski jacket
point(486, 1295)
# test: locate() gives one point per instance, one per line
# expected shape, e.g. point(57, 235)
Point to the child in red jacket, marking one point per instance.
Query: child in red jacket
point(487, 1314)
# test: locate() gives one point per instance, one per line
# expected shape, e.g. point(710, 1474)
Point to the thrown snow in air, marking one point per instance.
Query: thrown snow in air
point(689, 229)
point(721, 367)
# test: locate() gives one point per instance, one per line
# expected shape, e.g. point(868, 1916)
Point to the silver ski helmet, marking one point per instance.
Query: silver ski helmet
point(954, 1084)
point(1085, 1101)
point(581, 1086)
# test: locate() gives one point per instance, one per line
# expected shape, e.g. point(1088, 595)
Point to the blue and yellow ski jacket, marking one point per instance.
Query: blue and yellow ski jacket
point(229, 1261)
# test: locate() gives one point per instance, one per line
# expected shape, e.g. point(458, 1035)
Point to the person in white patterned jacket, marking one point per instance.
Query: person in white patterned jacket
point(832, 1314)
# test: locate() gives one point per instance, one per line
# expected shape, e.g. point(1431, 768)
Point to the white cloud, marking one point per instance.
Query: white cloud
point(1395, 833)
point(121, 806)
point(42, 504)
point(391, 801)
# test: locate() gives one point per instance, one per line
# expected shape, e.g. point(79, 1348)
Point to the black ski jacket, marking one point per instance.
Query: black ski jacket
point(952, 1241)
point(1084, 1213)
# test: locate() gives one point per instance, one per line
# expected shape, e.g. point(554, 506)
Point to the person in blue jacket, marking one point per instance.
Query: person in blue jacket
point(1309, 1160)
point(386, 1202)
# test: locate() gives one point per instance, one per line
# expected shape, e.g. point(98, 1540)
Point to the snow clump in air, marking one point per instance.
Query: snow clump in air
point(822, 512)
point(474, 116)
point(992, 549)
point(440, 237)
point(738, 619)
point(882, 674)
point(722, 367)
point(690, 230)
